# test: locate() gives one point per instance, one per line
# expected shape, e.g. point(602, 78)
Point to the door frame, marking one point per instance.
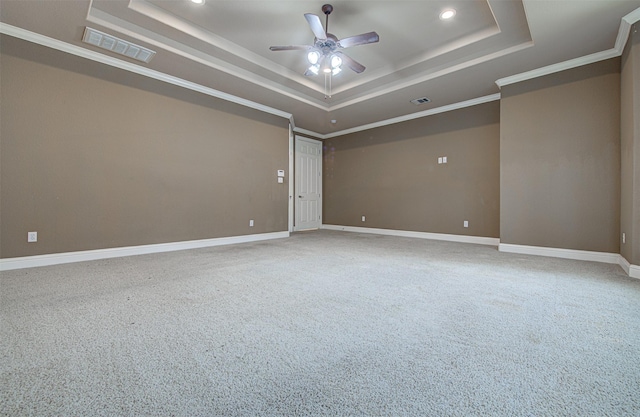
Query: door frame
point(296, 180)
point(292, 189)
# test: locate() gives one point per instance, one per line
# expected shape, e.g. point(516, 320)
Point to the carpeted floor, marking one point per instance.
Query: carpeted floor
point(322, 323)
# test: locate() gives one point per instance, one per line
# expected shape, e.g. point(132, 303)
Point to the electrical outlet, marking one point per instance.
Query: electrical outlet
point(32, 237)
point(466, 223)
point(363, 218)
point(439, 159)
point(250, 223)
point(444, 159)
point(624, 238)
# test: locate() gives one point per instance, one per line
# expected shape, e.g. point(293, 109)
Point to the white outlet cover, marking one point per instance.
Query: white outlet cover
point(32, 236)
point(280, 180)
point(466, 223)
point(444, 159)
point(281, 172)
point(440, 160)
point(250, 223)
point(363, 218)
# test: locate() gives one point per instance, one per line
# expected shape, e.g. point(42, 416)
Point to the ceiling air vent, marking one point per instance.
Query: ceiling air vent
point(420, 100)
point(119, 46)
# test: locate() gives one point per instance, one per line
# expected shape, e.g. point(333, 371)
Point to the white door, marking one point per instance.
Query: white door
point(308, 184)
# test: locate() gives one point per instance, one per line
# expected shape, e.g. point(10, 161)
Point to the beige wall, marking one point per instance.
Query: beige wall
point(391, 175)
point(94, 157)
point(630, 149)
point(560, 160)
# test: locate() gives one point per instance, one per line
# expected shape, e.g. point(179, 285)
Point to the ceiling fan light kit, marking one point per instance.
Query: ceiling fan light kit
point(325, 55)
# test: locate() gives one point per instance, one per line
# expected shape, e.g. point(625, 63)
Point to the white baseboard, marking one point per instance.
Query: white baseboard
point(7, 264)
point(632, 270)
point(580, 255)
point(420, 235)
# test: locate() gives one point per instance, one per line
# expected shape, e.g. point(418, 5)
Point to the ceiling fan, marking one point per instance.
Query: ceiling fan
point(325, 55)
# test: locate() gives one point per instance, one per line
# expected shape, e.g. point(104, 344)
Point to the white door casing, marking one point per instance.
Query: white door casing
point(308, 184)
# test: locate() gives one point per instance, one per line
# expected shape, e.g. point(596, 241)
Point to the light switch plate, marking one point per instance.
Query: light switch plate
point(281, 172)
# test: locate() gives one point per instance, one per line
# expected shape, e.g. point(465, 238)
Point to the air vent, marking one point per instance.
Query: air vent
point(420, 101)
point(119, 46)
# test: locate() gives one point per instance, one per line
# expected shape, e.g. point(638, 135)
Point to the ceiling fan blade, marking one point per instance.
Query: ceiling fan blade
point(316, 26)
point(350, 62)
point(291, 48)
point(363, 39)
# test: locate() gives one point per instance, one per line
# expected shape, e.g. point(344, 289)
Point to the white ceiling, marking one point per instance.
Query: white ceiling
point(223, 47)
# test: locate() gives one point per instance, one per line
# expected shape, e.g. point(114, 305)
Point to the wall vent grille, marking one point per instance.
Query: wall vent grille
point(421, 100)
point(119, 46)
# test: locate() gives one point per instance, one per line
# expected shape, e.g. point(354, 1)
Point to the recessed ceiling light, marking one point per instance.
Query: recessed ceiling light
point(447, 14)
point(197, 1)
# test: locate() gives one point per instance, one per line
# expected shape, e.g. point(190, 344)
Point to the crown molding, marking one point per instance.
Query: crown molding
point(309, 133)
point(412, 116)
point(621, 40)
point(145, 8)
point(158, 14)
point(111, 22)
point(625, 28)
point(134, 68)
point(561, 66)
point(433, 75)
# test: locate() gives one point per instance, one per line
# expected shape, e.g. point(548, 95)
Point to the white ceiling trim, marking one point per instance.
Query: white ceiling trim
point(400, 119)
point(111, 22)
point(625, 28)
point(621, 40)
point(156, 13)
point(173, 21)
point(448, 70)
point(107, 20)
point(452, 46)
point(134, 68)
point(561, 66)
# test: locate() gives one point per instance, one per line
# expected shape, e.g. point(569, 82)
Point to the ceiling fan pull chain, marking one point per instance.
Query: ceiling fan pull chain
point(327, 85)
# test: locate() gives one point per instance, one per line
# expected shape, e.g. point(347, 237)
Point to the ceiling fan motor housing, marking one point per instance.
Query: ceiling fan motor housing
point(328, 45)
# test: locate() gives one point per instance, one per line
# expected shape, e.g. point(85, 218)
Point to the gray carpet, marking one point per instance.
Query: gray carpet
point(322, 323)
